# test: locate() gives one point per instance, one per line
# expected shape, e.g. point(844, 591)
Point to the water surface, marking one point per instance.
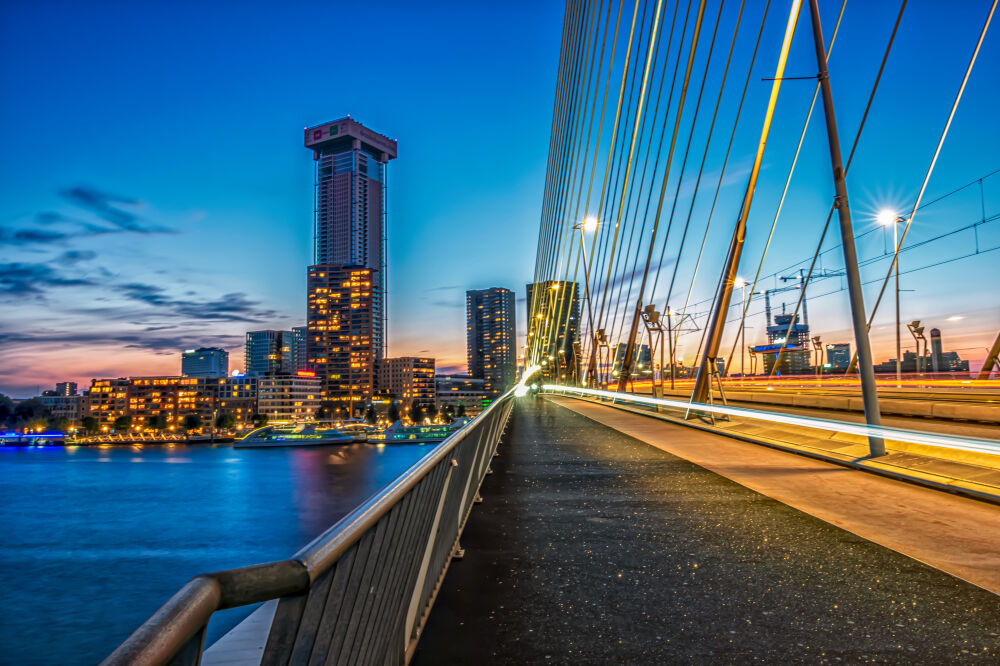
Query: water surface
point(94, 540)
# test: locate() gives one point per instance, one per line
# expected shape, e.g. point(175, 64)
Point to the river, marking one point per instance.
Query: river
point(95, 539)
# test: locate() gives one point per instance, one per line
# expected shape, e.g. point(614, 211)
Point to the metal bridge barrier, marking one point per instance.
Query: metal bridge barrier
point(361, 591)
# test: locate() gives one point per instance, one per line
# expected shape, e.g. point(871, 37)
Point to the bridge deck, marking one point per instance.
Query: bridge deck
point(594, 547)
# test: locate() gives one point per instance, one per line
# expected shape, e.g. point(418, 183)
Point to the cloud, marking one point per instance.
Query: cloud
point(105, 206)
point(32, 279)
point(127, 339)
point(449, 287)
point(230, 307)
point(75, 256)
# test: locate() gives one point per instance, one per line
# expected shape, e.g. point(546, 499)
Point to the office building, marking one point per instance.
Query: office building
point(491, 343)
point(205, 362)
point(838, 356)
point(288, 397)
point(461, 391)
point(341, 322)
point(554, 326)
point(269, 352)
point(62, 406)
point(66, 388)
point(409, 379)
point(641, 362)
point(300, 358)
point(349, 202)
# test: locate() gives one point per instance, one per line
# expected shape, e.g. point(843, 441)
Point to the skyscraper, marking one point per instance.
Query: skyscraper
point(269, 352)
point(300, 357)
point(350, 211)
point(490, 337)
point(341, 326)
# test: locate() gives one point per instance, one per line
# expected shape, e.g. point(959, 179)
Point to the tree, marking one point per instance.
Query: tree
point(461, 411)
point(90, 424)
point(157, 422)
point(260, 420)
point(59, 423)
point(225, 421)
point(370, 417)
point(416, 413)
point(393, 411)
point(123, 423)
point(192, 422)
point(37, 424)
point(327, 410)
point(29, 410)
point(6, 408)
point(448, 413)
point(431, 411)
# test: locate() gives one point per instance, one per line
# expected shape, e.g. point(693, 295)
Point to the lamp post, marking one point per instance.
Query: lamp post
point(885, 218)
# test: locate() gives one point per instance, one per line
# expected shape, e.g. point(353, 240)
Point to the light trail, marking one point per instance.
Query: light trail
point(974, 444)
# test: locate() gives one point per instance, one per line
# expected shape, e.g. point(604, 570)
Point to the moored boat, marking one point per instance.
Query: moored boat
point(300, 434)
point(397, 433)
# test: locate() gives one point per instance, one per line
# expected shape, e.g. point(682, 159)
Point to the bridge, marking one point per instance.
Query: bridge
point(656, 488)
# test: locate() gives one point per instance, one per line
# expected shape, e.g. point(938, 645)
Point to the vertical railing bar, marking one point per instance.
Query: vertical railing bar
point(315, 605)
point(381, 627)
point(284, 628)
point(364, 589)
point(334, 602)
point(383, 578)
point(350, 595)
point(418, 597)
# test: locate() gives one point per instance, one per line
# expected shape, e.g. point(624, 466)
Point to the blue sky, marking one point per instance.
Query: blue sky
point(155, 194)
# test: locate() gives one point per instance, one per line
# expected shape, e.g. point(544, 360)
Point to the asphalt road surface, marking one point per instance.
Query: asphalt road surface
point(592, 547)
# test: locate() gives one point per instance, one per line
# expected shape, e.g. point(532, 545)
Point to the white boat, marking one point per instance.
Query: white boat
point(299, 434)
point(397, 433)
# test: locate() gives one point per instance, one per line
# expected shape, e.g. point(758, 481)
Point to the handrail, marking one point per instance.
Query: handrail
point(175, 633)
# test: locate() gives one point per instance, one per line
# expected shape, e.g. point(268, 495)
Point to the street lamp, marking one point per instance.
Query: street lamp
point(885, 218)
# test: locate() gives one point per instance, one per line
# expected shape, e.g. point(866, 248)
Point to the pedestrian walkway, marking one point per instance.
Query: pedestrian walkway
point(594, 547)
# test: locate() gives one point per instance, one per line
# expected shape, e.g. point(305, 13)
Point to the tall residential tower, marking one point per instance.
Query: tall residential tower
point(491, 344)
point(350, 211)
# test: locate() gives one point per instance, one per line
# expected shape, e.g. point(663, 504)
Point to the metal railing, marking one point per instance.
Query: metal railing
point(360, 592)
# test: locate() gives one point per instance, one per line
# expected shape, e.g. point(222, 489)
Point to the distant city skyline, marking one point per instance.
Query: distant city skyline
point(135, 224)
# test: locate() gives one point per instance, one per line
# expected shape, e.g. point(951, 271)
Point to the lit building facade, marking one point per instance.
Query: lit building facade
point(66, 388)
point(170, 400)
point(409, 379)
point(554, 325)
point(461, 391)
point(300, 357)
point(293, 397)
point(268, 352)
point(838, 356)
point(64, 406)
point(795, 359)
point(341, 322)
point(350, 195)
point(491, 342)
point(205, 362)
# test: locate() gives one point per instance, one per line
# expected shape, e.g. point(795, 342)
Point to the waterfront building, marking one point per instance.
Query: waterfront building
point(461, 390)
point(165, 402)
point(641, 362)
point(554, 325)
point(289, 397)
point(838, 356)
point(66, 388)
point(341, 322)
point(349, 203)
point(64, 406)
point(205, 362)
point(409, 379)
point(490, 338)
point(268, 352)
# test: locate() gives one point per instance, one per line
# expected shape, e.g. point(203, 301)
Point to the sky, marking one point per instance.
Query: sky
point(155, 194)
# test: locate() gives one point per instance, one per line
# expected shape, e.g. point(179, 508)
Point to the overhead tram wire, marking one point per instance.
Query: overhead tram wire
point(850, 158)
point(781, 200)
point(626, 362)
point(722, 173)
point(930, 168)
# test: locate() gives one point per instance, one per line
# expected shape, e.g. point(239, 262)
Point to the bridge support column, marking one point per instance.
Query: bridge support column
point(876, 445)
